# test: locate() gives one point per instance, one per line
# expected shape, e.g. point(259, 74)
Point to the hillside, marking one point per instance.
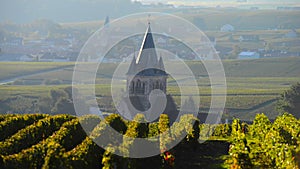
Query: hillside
point(212, 19)
point(42, 141)
point(62, 141)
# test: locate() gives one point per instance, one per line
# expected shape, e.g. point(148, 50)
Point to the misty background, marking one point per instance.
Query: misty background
point(23, 11)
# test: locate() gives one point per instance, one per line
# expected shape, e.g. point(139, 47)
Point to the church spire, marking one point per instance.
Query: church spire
point(132, 68)
point(161, 65)
point(147, 55)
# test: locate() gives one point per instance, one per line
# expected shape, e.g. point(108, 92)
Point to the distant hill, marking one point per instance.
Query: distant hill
point(67, 10)
point(213, 19)
point(83, 10)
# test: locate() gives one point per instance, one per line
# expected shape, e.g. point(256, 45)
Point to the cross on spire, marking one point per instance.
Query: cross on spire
point(149, 15)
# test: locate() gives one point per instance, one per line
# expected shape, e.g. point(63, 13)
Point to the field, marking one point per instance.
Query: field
point(214, 18)
point(252, 85)
point(15, 69)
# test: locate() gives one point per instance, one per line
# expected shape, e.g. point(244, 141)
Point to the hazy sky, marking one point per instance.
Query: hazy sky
point(188, 2)
point(21, 11)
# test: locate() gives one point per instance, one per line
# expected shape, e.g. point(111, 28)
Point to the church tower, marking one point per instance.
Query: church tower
point(146, 73)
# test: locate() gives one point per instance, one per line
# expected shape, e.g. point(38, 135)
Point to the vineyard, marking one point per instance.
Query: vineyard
point(64, 141)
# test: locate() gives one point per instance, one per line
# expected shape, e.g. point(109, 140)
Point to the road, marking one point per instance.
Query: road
point(10, 80)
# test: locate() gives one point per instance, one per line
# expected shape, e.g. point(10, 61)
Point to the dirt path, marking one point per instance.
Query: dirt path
point(10, 80)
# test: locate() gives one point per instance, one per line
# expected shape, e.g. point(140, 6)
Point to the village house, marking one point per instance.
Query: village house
point(249, 55)
point(227, 28)
point(249, 38)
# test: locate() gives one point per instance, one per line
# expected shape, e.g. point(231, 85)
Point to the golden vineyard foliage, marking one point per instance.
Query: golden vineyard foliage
point(64, 141)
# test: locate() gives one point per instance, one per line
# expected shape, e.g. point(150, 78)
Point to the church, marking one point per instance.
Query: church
point(146, 74)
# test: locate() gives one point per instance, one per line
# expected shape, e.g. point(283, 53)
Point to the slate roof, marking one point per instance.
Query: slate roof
point(146, 63)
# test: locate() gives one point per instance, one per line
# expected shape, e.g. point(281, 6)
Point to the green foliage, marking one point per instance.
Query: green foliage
point(117, 123)
point(236, 128)
point(29, 158)
point(32, 134)
point(290, 101)
point(60, 101)
point(4, 117)
point(236, 50)
point(85, 155)
point(239, 149)
point(153, 129)
point(178, 130)
point(205, 130)
point(60, 141)
point(163, 123)
point(33, 156)
point(163, 127)
point(21, 104)
point(89, 122)
point(142, 126)
point(222, 130)
point(57, 94)
point(109, 131)
point(50, 153)
point(261, 125)
point(107, 159)
point(267, 145)
point(216, 130)
point(54, 155)
point(44, 105)
point(70, 134)
point(136, 129)
point(14, 123)
point(63, 105)
point(190, 125)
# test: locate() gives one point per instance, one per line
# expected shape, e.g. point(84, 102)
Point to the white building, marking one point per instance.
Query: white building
point(249, 55)
point(227, 28)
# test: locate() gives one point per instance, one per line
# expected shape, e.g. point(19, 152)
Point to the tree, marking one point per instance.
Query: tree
point(20, 104)
point(268, 46)
point(57, 94)
point(61, 101)
point(236, 50)
point(290, 101)
point(44, 105)
point(63, 105)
